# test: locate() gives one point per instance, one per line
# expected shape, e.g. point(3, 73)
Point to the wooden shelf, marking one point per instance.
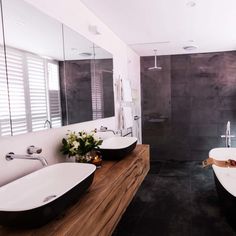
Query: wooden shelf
point(100, 209)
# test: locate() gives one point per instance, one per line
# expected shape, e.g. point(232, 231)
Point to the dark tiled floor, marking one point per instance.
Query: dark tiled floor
point(176, 198)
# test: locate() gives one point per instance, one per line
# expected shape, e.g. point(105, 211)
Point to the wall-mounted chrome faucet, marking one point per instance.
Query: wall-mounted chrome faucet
point(30, 150)
point(228, 135)
point(105, 129)
point(118, 132)
point(47, 124)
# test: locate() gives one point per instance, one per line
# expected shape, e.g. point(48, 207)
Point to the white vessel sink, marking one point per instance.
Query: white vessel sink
point(37, 198)
point(117, 147)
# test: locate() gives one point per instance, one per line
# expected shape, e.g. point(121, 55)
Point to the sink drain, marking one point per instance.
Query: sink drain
point(46, 199)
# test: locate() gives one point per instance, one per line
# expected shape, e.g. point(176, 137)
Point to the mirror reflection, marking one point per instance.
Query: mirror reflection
point(86, 79)
point(51, 83)
point(34, 47)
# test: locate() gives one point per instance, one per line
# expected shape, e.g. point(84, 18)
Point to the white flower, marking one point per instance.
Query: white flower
point(72, 151)
point(87, 143)
point(75, 144)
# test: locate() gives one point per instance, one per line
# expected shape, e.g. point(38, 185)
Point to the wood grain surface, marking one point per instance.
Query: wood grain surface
point(99, 210)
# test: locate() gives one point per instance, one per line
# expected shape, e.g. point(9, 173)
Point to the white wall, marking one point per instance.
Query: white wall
point(126, 64)
point(48, 140)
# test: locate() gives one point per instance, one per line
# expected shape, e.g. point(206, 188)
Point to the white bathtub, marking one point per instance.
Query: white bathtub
point(225, 180)
point(226, 176)
point(35, 199)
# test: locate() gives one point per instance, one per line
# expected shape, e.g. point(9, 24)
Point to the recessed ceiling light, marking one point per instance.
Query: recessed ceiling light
point(93, 29)
point(20, 23)
point(85, 54)
point(190, 48)
point(191, 4)
point(160, 42)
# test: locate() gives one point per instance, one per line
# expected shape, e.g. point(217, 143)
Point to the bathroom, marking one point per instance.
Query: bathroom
point(179, 109)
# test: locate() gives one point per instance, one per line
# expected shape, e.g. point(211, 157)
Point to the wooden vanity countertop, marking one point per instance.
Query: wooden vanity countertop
point(99, 210)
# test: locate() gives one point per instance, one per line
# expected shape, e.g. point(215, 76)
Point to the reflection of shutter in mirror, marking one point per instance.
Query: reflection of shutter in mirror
point(54, 94)
point(15, 71)
point(37, 91)
point(33, 91)
point(97, 94)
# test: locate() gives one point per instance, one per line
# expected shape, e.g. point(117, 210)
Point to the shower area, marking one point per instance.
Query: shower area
point(186, 104)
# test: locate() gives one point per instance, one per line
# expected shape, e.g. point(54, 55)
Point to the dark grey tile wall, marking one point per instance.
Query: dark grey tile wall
point(77, 76)
point(196, 95)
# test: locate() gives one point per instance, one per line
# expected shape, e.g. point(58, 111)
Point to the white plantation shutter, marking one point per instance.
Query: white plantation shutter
point(37, 92)
point(33, 90)
point(97, 97)
point(5, 126)
point(54, 94)
point(15, 71)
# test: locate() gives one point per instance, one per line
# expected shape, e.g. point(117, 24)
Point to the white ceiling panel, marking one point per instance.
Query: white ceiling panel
point(169, 25)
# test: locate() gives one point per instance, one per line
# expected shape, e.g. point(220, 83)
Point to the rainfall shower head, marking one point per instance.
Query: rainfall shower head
point(155, 64)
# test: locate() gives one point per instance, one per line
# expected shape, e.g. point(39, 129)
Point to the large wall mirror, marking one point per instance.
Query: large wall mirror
point(86, 79)
point(54, 76)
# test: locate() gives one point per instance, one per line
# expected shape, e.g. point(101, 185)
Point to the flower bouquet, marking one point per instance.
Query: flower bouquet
point(81, 145)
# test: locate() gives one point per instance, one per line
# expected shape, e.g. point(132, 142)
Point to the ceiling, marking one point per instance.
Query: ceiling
point(169, 25)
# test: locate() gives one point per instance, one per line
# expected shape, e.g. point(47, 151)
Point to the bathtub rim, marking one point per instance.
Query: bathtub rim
point(226, 176)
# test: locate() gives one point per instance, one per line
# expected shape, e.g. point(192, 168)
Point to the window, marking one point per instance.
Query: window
point(33, 90)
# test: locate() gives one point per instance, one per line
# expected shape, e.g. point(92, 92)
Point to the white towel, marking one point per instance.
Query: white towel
point(126, 91)
point(127, 117)
point(118, 85)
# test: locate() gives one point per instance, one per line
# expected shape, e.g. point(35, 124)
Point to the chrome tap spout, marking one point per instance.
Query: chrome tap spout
point(228, 135)
point(104, 129)
point(10, 156)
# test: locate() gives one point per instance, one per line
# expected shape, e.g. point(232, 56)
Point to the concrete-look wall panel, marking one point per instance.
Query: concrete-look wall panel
point(203, 99)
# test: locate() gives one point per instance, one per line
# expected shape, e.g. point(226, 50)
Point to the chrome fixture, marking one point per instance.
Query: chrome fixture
point(227, 135)
point(155, 62)
point(48, 123)
point(32, 149)
point(11, 155)
point(105, 129)
point(129, 132)
point(137, 117)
